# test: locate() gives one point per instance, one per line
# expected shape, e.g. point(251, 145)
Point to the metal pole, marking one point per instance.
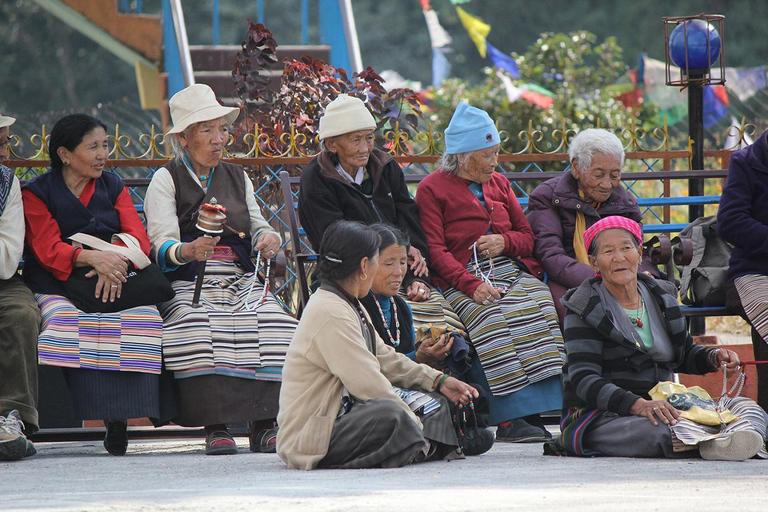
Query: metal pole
point(304, 22)
point(215, 17)
point(183, 42)
point(353, 46)
point(260, 10)
point(696, 133)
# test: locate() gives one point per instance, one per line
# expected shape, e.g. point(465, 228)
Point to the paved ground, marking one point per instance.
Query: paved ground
point(175, 475)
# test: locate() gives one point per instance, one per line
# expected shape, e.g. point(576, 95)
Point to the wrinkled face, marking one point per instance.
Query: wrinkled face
point(393, 262)
point(600, 179)
point(617, 259)
point(88, 158)
point(479, 166)
point(4, 141)
point(353, 149)
point(204, 143)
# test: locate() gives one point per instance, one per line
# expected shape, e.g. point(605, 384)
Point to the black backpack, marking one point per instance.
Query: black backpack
point(703, 281)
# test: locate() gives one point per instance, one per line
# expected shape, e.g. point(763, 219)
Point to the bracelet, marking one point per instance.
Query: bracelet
point(441, 381)
point(177, 253)
point(713, 358)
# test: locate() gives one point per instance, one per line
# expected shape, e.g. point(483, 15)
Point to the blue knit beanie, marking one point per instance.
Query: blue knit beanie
point(470, 129)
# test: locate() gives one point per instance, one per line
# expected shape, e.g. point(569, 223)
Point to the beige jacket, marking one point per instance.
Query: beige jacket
point(328, 353)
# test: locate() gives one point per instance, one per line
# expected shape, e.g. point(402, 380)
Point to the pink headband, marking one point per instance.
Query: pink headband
point(612, 222)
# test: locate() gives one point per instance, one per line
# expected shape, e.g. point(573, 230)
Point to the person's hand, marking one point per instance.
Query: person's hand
point(490, 245)
point(433, 354)
point(485, 294)
point(201, 249)
point(458, 392)
point(417, 262)
point(729, 359)
point(268, 244)
point(653, 409)
point(111, 269)
point(417, 291)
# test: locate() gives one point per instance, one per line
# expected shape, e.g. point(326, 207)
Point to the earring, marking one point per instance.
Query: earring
point(364, 276)
point(66, 162)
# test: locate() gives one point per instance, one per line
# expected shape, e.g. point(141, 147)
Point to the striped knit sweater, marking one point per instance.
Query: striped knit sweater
point(607, 371)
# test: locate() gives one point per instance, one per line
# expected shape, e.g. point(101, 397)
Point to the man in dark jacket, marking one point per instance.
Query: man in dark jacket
point(351, 180)
point(561, 209)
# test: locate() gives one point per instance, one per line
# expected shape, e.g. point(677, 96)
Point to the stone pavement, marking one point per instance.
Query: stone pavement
point(175, 475)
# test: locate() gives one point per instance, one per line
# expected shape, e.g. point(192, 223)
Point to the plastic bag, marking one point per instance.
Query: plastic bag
point(694, 403)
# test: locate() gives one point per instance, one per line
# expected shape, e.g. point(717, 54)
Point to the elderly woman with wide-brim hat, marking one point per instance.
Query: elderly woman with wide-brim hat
point(227, 355)
point(481, 245)
point(624, 334)
point(352, 180)
point(562, 208)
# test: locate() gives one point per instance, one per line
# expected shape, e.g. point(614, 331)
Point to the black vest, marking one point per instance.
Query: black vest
point(227, 185)
point(99, 218)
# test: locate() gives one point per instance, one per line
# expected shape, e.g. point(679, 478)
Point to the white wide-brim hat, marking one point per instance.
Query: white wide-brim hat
point(196, 104)
point(6, 121)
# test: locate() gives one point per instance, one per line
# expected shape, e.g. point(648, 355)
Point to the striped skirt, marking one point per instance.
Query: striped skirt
point(753, 293)
point(126, 341)
point(435, 310)
point(234, 333)
point(517, 338)
point(688, 434)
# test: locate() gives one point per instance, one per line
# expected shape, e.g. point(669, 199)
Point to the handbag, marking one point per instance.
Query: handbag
point(145, 286)
point(474, 438)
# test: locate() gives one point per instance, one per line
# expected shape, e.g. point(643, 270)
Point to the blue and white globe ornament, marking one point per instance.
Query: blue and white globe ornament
point(696, 32)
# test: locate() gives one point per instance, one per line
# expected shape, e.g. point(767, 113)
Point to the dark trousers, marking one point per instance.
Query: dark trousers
point(19, 328)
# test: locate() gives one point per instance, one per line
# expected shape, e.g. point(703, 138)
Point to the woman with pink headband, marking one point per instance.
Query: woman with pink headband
point(624, 333)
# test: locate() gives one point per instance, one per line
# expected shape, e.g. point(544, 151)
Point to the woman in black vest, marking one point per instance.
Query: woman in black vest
point(227, 355)
point(112, 360)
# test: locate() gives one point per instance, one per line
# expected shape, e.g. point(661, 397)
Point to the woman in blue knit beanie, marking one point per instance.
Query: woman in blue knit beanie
point(481, 246)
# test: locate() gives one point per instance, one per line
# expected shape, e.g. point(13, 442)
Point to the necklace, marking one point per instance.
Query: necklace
point(395, 341)
point(639, 313)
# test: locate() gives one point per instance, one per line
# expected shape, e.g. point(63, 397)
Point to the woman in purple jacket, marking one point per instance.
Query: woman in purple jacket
point(742, 220)
point(561, 209)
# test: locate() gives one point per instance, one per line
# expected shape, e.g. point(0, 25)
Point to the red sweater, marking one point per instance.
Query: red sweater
point(453, 219)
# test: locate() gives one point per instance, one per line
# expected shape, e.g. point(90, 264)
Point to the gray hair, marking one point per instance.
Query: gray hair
point(451, 163)
point(595, 140)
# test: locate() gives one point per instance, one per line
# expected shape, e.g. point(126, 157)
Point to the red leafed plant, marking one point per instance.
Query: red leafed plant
point(307, 85)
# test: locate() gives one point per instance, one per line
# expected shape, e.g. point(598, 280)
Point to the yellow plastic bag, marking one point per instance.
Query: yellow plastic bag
point(694, 403)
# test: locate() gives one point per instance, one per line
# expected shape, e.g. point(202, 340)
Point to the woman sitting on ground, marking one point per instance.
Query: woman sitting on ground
point(562, 208)
point(111, 360)
point(226, 356)
point(481, 247)
point(624, 333)
point(338, 406)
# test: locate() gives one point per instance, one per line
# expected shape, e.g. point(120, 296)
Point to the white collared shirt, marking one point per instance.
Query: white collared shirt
point(358, 176)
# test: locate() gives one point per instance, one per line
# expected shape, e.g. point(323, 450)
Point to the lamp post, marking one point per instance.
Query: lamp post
point(694, 45)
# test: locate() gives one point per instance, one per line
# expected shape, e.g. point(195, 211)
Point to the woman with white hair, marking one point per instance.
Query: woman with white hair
point(227, 355)
point(561, 209)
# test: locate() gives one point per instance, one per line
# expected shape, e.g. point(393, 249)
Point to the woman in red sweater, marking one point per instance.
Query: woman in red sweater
point(481, 245)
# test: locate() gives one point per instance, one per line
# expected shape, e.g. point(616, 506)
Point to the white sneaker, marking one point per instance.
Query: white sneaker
point(13, 444)
point(739, 445)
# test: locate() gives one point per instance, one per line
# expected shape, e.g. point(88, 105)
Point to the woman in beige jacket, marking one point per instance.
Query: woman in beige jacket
point(338, 406)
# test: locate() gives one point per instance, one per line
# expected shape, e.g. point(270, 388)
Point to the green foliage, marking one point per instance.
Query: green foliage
point(575, 67)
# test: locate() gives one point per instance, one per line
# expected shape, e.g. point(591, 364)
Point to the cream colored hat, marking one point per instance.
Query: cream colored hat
point(6, 121)
point(345, 114)
point(195, 104)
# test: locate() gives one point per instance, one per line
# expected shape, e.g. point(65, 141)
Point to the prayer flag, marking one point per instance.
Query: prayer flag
point(441, 68)
point(457, 2)
point(477, 29)
point(745, 82)
point(502, 61)
point(437, 34)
